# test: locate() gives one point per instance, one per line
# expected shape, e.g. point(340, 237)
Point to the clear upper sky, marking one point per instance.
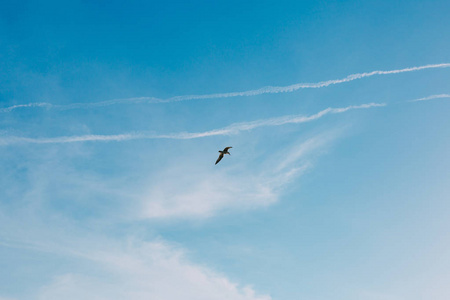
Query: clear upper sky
point(337, 186)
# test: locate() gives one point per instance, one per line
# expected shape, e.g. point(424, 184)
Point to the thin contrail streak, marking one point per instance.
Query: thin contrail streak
point(82, 105)
point(34, 104)
point(260, 91)
point(234, 128)
point(294, 87)
point(431, 97)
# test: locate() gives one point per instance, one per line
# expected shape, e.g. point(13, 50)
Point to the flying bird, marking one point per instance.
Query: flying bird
point(225, 151)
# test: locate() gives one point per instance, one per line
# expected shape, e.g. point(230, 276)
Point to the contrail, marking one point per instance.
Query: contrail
point(431, 97)
point(36, 104)
point(260, 91)
point(83, 105)
point(295, 87)
point(234, 128)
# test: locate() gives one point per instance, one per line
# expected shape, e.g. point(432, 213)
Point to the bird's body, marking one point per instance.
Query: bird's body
point(222, 152)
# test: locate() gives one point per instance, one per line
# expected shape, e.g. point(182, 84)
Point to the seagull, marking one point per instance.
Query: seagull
point(225, 151)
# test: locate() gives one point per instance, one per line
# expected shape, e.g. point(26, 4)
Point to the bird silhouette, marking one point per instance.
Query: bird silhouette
point(222, 152)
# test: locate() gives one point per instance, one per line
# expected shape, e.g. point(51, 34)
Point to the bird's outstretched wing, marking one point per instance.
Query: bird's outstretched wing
point(226, 149)
point(220, 157)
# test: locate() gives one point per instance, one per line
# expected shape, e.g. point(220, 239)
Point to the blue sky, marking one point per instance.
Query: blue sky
point(112, 113)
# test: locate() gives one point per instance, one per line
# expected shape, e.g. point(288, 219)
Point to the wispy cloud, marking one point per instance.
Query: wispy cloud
point(127, 268)
point(229, 130)
point(431, 97)
point(148, 270)
point(238, 187)
point(260, 91)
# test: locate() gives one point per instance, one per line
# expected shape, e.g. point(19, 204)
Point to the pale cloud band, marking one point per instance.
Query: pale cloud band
point(260, 91)
point(229, 130)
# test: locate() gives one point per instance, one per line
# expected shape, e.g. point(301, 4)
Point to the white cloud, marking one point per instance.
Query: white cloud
point(152, 269)
point(132, 270)
point(192, 191)
point(97, 266)
point(137, 269)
